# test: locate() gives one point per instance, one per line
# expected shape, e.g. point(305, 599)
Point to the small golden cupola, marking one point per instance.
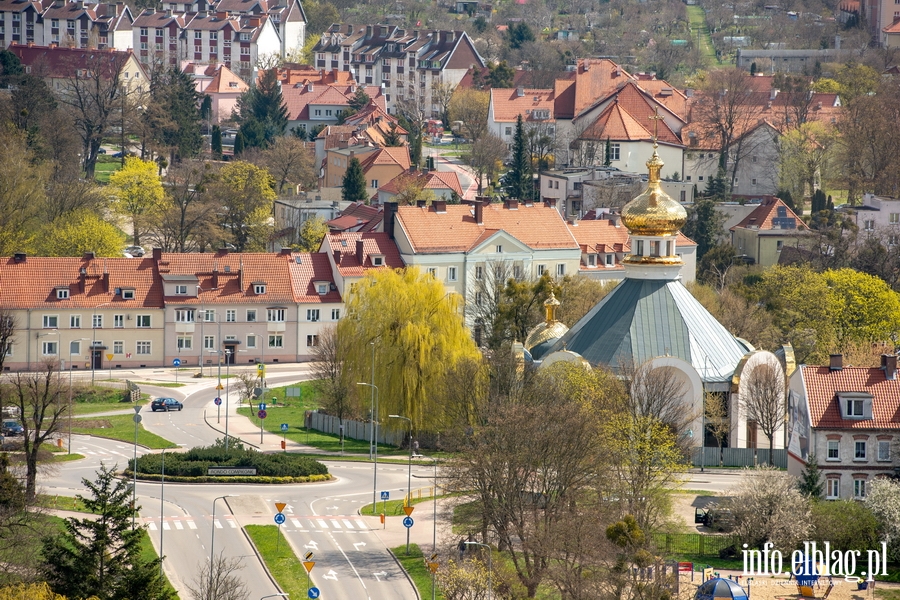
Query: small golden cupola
point(543, 335)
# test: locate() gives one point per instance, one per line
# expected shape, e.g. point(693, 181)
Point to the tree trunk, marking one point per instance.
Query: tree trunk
point(31, 473)
point(771, 449)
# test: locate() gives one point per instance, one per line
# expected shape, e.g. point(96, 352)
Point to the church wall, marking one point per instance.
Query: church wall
point(741, 436)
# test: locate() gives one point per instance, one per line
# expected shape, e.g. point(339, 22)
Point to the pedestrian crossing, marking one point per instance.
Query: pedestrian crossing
point(302, 524)
point(183, 523)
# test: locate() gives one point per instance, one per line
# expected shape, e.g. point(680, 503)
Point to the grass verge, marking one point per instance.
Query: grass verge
point(280, 560)
point(148, 552)
point(58, 502)
point(162, 384)
point(120, 427)
point(414, 564)
point(394, 508)
point(60, 457)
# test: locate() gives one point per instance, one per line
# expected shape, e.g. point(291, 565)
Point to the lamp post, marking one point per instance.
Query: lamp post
point(212, 541)
point(228, 359)
point(162, 494)
point(373, 451)
point(409, 472)
point(434, 523)
point(79, 340)
point(203, 320)
point(136, 419)
point(490, 564)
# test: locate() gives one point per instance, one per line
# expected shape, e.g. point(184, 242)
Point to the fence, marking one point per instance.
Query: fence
point(355, 430)
point(739, 457)
point(695, 544)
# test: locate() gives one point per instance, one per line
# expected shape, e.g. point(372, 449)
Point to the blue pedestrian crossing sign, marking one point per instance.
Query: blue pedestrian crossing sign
point(408, 522)
point(279, 518)
point(176, 362)
point(385, 495)
point(284, 426)
point(313, 593)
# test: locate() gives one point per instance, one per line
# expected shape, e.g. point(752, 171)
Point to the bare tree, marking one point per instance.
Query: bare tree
point(290, 162)
point(245, 386)
point(485, 158)
point(718, 421)
point(42, 403)
point(762, 399)
point(658, 392)
point(441, 93)
point(470, 107)
point(332, 380)
point(189, 215)
point(7, 334)
point(218, 580)
point(484, 299)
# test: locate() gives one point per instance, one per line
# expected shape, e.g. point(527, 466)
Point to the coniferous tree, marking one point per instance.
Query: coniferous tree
point(788, 198)
point(392, 137)
point(353, 188)
point(704, 225)
point(359, 100)
point(101, 555)
point(239, 144)
point(262, 108)
point(216, 142)
point(174, 116)
point(607, 160)
point(517, 181)
point(811, 484)
point(819, 202)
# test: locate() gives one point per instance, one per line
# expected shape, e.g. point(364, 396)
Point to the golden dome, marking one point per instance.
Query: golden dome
point(550, 329)
point(654, 212)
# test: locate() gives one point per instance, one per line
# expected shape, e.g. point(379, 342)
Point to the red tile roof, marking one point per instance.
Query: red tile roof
point(57, 62)
point(236, 285)
point(455, 230)
point(352, 265)
point(32, 283)
point(508, 104)
point(390, 156)
point(306, 270)
point(822, 385)
point(761, 217)
point(222, 82)
point(434, 180)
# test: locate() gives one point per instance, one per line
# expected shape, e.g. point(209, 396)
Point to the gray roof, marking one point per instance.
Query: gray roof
point(643, 319)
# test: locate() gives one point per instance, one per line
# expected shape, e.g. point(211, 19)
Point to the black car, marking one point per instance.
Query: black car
point(165, 404)
point(11, 428)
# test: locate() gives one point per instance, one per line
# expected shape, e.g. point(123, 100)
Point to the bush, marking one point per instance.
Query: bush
point(846, 524)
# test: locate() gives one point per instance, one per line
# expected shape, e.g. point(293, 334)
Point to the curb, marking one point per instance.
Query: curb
point(256, 552)
point(405, 573)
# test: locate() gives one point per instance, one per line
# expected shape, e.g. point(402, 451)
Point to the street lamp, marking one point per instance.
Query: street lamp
point(490, 564)
point(79, 340)
point(228, 360)
point(212, 541)
point(373, 451)
point(162, 494)
point(409, 475)
point(136, 419)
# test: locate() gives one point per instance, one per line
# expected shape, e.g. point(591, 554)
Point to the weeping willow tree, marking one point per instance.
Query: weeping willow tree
point(419, 336)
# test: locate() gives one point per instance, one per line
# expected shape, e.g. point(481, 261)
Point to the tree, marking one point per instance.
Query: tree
point(541, 140)
point(805, 154)
point(634, 556)
point(101, 555)
point(79, 232)
point(137, 192)
point(41, 402)
point(470, 107)
point(291, 163)
point(312, 232)
point(246, 195)
point(189, 216)
point(353, 188)
point(521, 303)
point(216, 142)
point(518, 181)
point(332, 379)
point(239, 143)
point(767, 507)
point(717, 261)
point(811, 484)
point(846, 525)
point(412, 113)
point(219, 580)
point(173, 113)
point(427, 336)
point(485, 158)
point(659, 393)
point(763, 399)
point(518, 33)
point(392, 137)
point(865, 308)
point(32, 591)
point(500, 75)
point(883, 499)
point(262, 109)
point(22, 192)
point(441, 94)
point(718, 421)
point(10, 68)
point(359, 100)
point(464, 580)
point(319, 17)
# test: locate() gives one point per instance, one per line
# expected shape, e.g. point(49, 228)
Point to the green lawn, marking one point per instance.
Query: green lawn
point(148, 552)
point(102, 171)
point(418, 571)
point(97, 407)
point(280, 560)
point(700, 34)
point(120, 427)
point(61, 503)
point(394, 508)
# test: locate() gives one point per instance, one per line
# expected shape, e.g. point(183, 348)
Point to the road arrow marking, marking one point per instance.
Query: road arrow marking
point(378, 575)
point(312, 545)
point(332, 574)
point(358, 544)
point(331, 508)
point(288, 509)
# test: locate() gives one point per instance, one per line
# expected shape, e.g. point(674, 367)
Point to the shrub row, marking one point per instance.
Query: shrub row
point(229, 479)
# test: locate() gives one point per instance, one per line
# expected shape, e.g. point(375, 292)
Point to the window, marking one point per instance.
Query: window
point(451, 273)
point(259, 288)
point(119, 347)
point(377, 261)
point(185, 342)
point(479, 297)
point(854, 408)
point(640, 247)
point(779, 245)
point(432, 271)
point(614, 151)
point(213, 35)
point(159, 33)
point(119, 321)
point(312, 340)
point(869, 225)
point(610, 260)
point(479, 273)
point(55, 23)
point(322, 289)
point(592, 260)
point(142, 321)
point(560, 270)
point(374, 183)
point(884, 450)
point(51, 321)
point(209, 342)
point(127, 294)
point(509, 131)
point(75, 321)
point(541, 269)
point(276, 341)
point(198, 35)
point(142, 348)
point(499, 249)
point(312, 314)
point(184, 315)
point(49, 348)
point(208, 315)
point(335, 314)
point(62, 294)
point(833, 489)
point(894, 218)
point(753, 181)
point(251, 315)
point(859, 488)
point(834, 447)
point(251, 341)
point(181, 290)
point(75, 347)
point(230, 315)
point(275, 315)
point(859, 452)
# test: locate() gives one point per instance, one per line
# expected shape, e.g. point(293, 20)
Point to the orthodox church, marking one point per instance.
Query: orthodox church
point(650, 320)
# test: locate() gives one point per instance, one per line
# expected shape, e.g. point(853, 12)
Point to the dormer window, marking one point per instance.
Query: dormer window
point(62, 293)
point(322, 288)
point(127, 294)
point(259, 288)
point(855, 405)
point(377, 261)
point(181, 290)
point(592, 260)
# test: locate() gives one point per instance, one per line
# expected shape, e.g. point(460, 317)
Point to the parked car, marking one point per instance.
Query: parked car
point(11, 428)
point(135, 251)
point(101, 150)
point(166, 404)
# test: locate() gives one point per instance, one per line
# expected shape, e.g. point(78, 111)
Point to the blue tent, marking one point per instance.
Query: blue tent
point(720, 588)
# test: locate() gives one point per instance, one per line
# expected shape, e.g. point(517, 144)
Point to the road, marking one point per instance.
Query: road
point(351, 559)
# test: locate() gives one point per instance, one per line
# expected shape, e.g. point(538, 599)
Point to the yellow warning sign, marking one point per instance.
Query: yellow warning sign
point(308, 556)
point(220, 387)
point(308, 565)
point(408, 510)
point(279, 506)
point(109, 356)
point(433, 566)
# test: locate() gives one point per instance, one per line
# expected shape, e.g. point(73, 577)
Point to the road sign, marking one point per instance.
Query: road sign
point(218, 401)
point(261, 414)
point(408, 510)
point(176, 362)
point(279, 506)
point(308, 565)
point(220, 387)
point(294, 392)
point(279, 518)
point(313, 592)
point(109, 356)
point(284, 426)
point(385, 495)
point(262, 406)
point(260, 368)
point(137, 418)
point(309, 555)
point(433, 566)
point(408, 522)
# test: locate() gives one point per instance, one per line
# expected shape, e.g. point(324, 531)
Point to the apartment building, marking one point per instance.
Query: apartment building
point(72, 24)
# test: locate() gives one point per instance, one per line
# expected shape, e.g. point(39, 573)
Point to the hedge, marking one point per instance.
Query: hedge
point(128, 473)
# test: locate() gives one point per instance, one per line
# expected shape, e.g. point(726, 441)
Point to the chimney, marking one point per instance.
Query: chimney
point(889, 363)
point(421, 203)
point(440, 206)
point(390, 215)
point(550, 202)
point(337, 257)
point(520, 91)
point(309, 86)
point(360, 252)
point(479, 213)
point(20, 257)
point(88, 256)
point(368, 31)
point(773, 93)
point(511, 204)
point(286, 251)
point(836, 362)
point(168, 12)
point(689, 92)
point(157, 254)
point(221, 15)
point(112, 10)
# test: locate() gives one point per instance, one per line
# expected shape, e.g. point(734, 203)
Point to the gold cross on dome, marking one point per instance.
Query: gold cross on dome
point(656, 119)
